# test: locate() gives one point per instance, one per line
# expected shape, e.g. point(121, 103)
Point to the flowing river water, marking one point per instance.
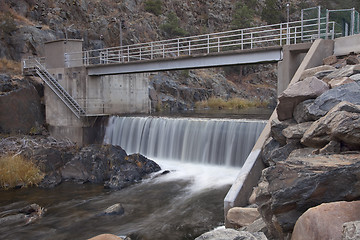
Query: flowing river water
point(203, 156)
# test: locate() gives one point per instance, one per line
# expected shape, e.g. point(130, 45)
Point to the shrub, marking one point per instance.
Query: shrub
point(9, 66)
point(153, 6)
point(242, 16)
point(272, 12)
point(172, 26)
point(7, 24)
point(17, 171)
point(233, 103)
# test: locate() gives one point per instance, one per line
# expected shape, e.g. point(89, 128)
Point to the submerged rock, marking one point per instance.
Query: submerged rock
point(106, 237)
point(351, 230)
point(23, 216)
point(239, 217)
point(116, 209)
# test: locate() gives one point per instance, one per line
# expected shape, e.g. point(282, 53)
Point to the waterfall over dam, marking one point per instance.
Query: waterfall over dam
point(208, 141)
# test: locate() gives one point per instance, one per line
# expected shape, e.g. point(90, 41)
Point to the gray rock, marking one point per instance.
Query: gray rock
point(272, 154)
point(296, 131)
point(268, 149)
point(352, 60)
point(239, 217)
point(309, 88)
point(277, 127)
point(301, 111)
point(257, 226)
point(325, 102)
point(345, 71)
point(322, 74)
point(355, 77)
point(230, 234)
point(331, 147)
point(351, 230)
point(288, 189)
point(317, 70)
point(116, 209)
point(342, 123)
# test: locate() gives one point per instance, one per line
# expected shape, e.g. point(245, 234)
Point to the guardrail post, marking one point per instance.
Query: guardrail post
point(208, 43)
point(333, 31)
point(218, 44)
point(163, 47)
point(280, 34)
point(189, 48)
point(151, 49)
point(242, 39)
point(251, 40)
point(319, 21)
point(302, 24)
point(140, 52)
point(352, 21)
point(128, 53)
point(178, 47)
point(327, 24)
point(287, 34)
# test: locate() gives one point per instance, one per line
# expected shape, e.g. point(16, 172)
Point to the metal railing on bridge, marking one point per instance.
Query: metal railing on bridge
point(306, 30)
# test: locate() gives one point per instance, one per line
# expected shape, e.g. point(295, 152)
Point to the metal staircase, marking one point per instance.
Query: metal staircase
point(34, 67)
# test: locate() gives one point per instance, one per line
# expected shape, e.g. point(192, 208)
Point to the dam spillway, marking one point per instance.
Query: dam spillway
point(225, 142)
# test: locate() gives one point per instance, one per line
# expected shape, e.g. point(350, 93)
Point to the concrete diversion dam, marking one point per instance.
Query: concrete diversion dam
point(203, 157)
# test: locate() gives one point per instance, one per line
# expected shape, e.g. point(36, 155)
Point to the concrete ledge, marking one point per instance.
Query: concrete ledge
point(346, 45)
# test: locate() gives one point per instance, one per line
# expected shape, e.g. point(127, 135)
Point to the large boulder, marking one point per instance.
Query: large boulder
point(287, 189)
point(320, 71)
point(326, 221)
point(239, 217)
point(296, 131)
point(109, 164)
point(273, 152)
point(342, 123)
point(277, 127)
point(309, 88)
point(106, 237)
point(231, 234)
point(20, 107)
point(325, 102)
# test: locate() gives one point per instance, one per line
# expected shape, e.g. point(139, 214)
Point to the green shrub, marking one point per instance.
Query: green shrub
point(172, 26)
point(273, 12)
point(17, 171)
point(153, 6)
point(233, 103)
point(242, 16)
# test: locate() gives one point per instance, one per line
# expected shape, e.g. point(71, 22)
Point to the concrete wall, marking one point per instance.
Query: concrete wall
point(123, 93)
point(55, 50)
point(100, 95)
point(346, 45)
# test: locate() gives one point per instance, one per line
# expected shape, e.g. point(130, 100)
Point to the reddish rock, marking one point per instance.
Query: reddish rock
point(330, 60)
point(239, 217)
point(106, 237)
point(336, 82)
point(326, 221)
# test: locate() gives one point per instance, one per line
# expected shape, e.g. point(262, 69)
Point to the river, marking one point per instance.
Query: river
point(182, 204)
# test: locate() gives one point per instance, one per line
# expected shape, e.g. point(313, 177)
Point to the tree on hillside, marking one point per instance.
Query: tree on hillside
point(172, 26)
point(153, 6)
point(272, 12)
point(242, 16)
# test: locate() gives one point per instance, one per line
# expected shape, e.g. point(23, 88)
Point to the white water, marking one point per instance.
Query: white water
point(207, 141)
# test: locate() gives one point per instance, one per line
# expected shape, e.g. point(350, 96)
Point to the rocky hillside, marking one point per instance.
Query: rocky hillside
point(26, 24)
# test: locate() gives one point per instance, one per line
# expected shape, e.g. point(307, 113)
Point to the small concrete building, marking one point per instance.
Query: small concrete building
point(98, 96)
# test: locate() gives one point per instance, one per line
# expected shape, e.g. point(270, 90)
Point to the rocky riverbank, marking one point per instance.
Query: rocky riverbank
point(61, 161)
point(310, 188)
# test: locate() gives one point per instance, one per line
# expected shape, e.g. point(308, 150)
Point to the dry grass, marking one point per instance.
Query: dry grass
point(233, 103)
point(17, 171)
point(9, 66)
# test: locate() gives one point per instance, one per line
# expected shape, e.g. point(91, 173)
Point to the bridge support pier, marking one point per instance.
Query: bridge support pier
point(293, 55)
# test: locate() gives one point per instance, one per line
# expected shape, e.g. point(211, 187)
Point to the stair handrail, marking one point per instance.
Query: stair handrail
point(67, 99)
